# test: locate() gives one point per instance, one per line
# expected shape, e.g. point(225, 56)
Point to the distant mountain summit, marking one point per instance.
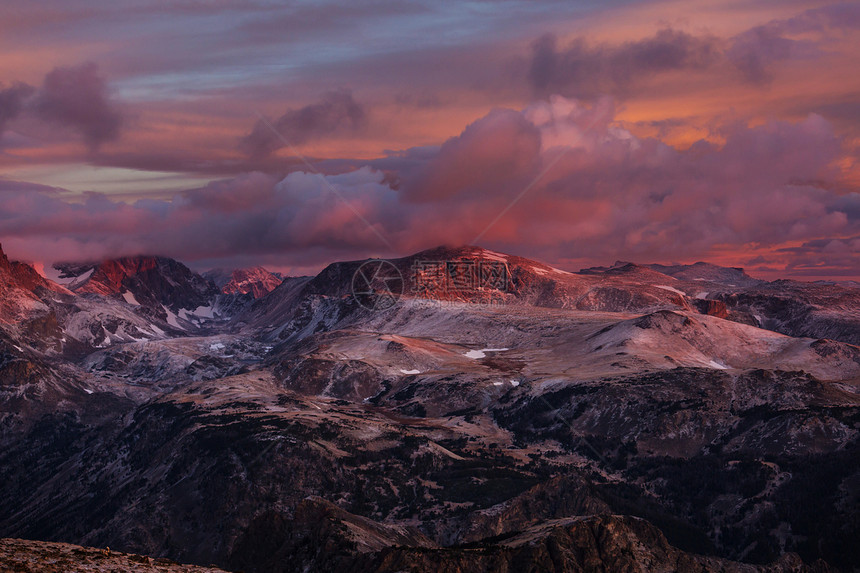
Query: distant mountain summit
point(144, 280)
point(701, 271)
point(256, 281)
point(729, 276)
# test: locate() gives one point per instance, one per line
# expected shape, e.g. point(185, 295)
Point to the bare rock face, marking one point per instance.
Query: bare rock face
point(256, 281)
point(712, 307)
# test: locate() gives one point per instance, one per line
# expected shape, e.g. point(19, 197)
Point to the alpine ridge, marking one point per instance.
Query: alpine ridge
point(501, 414)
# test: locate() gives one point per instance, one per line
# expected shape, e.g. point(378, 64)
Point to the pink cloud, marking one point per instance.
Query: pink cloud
point(599, 193)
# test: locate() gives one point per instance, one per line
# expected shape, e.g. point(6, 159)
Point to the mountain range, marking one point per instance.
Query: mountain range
point(458, 409)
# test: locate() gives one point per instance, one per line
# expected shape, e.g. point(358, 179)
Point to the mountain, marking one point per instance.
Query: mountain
point(150, 281)
point(798, 309)
point(455, 275)
point(22, 290)
point(255, 281)
point(137, 299)
point(701, 271)
point(728, 276)
point(457, 409)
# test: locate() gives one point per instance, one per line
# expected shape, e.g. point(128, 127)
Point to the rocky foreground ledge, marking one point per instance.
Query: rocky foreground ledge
point(24, 556)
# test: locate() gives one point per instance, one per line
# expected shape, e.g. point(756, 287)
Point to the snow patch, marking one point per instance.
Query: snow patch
point(129, 298)
point(702, 295)
point(494, 256)
point(671, 289)
point(70, 282)
point(198, 313)
point(717, 365)
point(217, 346)
point(172, 319)
point(515, 383)
point(410, 371)
point(497, 383)
point(88, 391)
point(476, 354)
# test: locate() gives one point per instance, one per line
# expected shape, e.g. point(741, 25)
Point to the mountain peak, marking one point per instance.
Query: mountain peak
point(447, 252)
point(153, 279)
point(4, 260)
point(256, 281)
point(108, 276)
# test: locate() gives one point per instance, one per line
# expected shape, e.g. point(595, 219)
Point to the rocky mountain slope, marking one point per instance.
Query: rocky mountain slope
point(499, 415)
point(23, 556)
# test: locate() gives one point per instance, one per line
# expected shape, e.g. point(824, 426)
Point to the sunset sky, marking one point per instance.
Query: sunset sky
point(293, 134)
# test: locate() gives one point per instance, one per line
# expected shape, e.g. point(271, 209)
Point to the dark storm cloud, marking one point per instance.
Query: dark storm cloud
point(338, 112)
point(12, 101)
point(583, 70)
point(77, 97)
point(754, 52)
point(831, 256)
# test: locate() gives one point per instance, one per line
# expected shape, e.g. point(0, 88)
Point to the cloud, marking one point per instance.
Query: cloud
point(754, 52)
point(496, 151)
point(77, 97)
point(12, 101)
point(586, 71)
point(338, 112)
point(558, 180)
point(252, 214)
point(833, 257)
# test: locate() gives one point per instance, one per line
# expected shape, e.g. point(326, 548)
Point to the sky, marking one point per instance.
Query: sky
point(294, 134)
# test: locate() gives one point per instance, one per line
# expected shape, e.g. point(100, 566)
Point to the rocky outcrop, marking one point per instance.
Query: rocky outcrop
point(711, 307)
